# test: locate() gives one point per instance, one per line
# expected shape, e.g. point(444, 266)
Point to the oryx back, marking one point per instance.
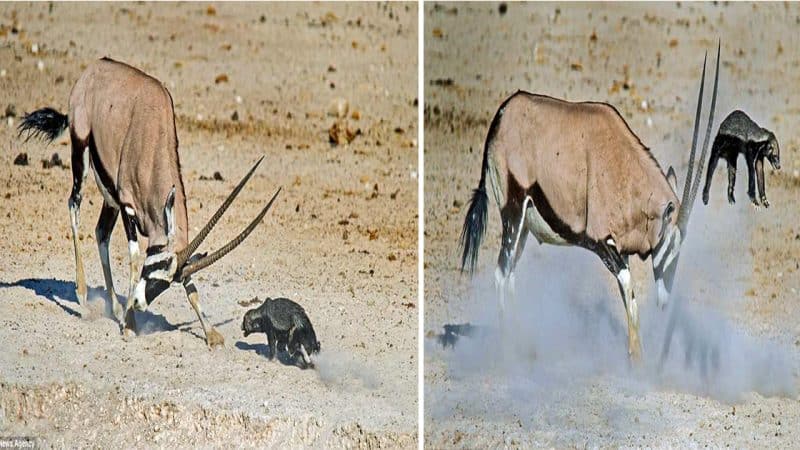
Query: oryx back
point(126, 119)
point(588, 175)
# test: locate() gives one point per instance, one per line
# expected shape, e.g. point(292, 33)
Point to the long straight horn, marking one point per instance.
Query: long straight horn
point(709, 126)
point(687, 184)
point(693, 182)
point(214, 257)
point(187, 252)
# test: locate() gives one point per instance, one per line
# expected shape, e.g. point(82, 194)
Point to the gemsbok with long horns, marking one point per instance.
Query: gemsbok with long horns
point(575, 174)
point(122, 125)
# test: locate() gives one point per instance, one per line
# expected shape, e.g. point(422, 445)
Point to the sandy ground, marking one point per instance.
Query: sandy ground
point(341, 238)
point(569, 384)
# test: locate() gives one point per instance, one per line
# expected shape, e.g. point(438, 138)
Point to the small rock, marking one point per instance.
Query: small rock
point(340, 133)
point(221, 78)
point(502, 9)
point(40, 65)
point(392, 257)
point(238, 99)
point(21, 159)
point(235, 116)
point(339, 108)
point(54, 161)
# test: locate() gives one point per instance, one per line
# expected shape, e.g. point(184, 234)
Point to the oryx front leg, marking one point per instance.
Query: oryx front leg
point(213, 337)
point(618, 265)
point(80, 168)
point(105, 226)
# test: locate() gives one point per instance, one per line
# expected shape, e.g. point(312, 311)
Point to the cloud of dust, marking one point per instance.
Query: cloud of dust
point(567, 329)
point(337, 368)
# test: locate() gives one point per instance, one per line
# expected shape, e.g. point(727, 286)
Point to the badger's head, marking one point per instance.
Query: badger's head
point(252, 322)
point(772, 151)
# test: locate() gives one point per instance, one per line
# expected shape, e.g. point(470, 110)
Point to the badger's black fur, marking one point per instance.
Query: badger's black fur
point(738, 134)
point(286, 325)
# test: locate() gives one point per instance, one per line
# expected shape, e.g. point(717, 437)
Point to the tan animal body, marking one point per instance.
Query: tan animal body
point(575, 174)
point(122, 127)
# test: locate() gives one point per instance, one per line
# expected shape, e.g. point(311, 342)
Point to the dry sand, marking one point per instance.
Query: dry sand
point(341, 239)
point(573, 387)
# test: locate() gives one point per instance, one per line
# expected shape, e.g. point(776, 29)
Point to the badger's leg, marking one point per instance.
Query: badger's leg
point(760, 179)
point(102, 232)
point(731, 159)
point(716, 149)
point(618, 265)
point(272, 342)
point(80, 168)
point(213, 337)
point(751, 173)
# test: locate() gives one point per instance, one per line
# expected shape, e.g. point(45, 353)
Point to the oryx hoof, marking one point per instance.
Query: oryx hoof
point(731, 198)
point(129, 330)
point(214, 339)
point(634, 351)
point(765, 202)
point(114, 310)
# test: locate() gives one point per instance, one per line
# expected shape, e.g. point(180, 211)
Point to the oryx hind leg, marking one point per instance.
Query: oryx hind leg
point(129, 223)
point(105, 226)
point(213, 337)
point(80, 168)
point(515, 234)
point(618, 265)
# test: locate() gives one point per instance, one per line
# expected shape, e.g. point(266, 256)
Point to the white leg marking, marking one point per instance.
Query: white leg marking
point(306, 358)
point(139, 302)
point(663, 293)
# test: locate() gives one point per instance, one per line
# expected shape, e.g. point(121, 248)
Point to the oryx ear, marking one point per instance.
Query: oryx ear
point(673, 180)
point(169, 215)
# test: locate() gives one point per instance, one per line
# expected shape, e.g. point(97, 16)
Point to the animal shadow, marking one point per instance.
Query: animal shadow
point(263, 349)
point(62, 293)
point(57, 291)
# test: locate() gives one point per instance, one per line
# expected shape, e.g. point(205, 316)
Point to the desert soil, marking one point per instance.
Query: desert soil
point(247, 80)
point(646, 61)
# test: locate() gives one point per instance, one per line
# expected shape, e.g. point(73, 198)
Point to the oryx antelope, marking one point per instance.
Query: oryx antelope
point(122, 125)
point(739, 134)
point(575, 174)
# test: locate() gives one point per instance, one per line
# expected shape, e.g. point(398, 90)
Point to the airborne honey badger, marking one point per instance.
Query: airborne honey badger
point(575, 174)
point(122, 125)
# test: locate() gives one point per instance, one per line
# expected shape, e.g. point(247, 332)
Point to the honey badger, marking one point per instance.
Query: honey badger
point(287, 327)
point(739, 134)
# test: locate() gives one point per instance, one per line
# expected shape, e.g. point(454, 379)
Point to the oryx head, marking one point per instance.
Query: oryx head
point(673, 230)
point(164, 264)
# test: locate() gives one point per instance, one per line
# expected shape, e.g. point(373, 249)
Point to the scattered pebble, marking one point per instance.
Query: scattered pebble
point(221, 78)
point(54, 161)
point(3, 73)
point(339, 107)
point(35, 48)
point(235, 116)
point(503, 8)
point(40, 65)
point(21, 159)
point(650, 122)
point(238, 99)
point(340, 133)
point(216, 177)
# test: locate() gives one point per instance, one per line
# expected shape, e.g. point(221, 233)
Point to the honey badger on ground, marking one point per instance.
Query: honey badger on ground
point(286, 325)
point(738, 134)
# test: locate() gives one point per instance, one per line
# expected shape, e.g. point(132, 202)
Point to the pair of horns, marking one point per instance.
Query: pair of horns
point(190, 265)
point(693, 179)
